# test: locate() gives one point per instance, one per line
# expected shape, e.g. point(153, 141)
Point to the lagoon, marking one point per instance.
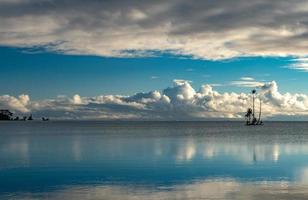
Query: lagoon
point(153, 160)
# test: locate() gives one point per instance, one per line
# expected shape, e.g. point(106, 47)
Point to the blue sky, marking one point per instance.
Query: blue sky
point(46, 75)
point(153, 60)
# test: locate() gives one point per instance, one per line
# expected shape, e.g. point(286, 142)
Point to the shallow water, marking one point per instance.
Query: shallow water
point(153, 160)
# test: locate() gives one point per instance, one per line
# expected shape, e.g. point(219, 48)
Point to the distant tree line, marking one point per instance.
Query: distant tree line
point(7, 115)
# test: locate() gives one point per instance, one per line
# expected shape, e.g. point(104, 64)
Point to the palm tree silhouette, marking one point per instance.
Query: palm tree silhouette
point(248, 115)
point(253, 102)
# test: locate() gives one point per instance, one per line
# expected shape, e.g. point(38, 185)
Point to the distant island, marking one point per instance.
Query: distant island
point(7, 115)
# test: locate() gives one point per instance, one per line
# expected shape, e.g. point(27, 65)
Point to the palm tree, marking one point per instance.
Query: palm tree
point(259, 119)
point(248, 115)
point(253, 102)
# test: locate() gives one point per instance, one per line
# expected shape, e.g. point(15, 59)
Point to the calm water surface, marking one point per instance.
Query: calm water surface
point(153, 160)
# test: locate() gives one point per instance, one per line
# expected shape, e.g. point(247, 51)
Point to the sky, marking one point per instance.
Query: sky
point(153, 60)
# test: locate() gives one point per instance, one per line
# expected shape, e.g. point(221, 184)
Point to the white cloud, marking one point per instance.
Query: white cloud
point(179, 102)
point(137, 15)
point(299, 64)
point(246, 78)
point(216, 84)
point(250, 84)
point(247, 82)
point(207, 30)
point(77, 100)
point(18, 104)
point(154, 77)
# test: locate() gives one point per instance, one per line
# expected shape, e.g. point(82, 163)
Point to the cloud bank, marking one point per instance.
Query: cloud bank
point(179, 102)
point(202, 29)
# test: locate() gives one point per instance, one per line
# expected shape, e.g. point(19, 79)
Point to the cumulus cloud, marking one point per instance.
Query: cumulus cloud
point(18, 104)
point(179, 102)
point(77, 99)
point(202, 29)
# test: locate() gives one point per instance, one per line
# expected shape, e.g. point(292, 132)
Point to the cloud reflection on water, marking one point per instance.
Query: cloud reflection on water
point(184, 150)
point(192, 158)
point(210, 189)
point(246, 153)
point(14, 153)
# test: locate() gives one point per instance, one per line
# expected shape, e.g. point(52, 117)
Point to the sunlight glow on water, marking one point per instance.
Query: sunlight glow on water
point(153, 160)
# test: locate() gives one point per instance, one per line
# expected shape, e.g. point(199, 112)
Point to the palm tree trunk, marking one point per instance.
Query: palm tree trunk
point(253, 106)
point(259, 113)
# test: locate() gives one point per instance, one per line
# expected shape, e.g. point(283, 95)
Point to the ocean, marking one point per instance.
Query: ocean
point(153, 160)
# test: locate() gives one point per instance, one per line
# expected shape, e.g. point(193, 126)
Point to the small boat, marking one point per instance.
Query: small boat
point(250, 116)
point(45, 119)
point(30, 118)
